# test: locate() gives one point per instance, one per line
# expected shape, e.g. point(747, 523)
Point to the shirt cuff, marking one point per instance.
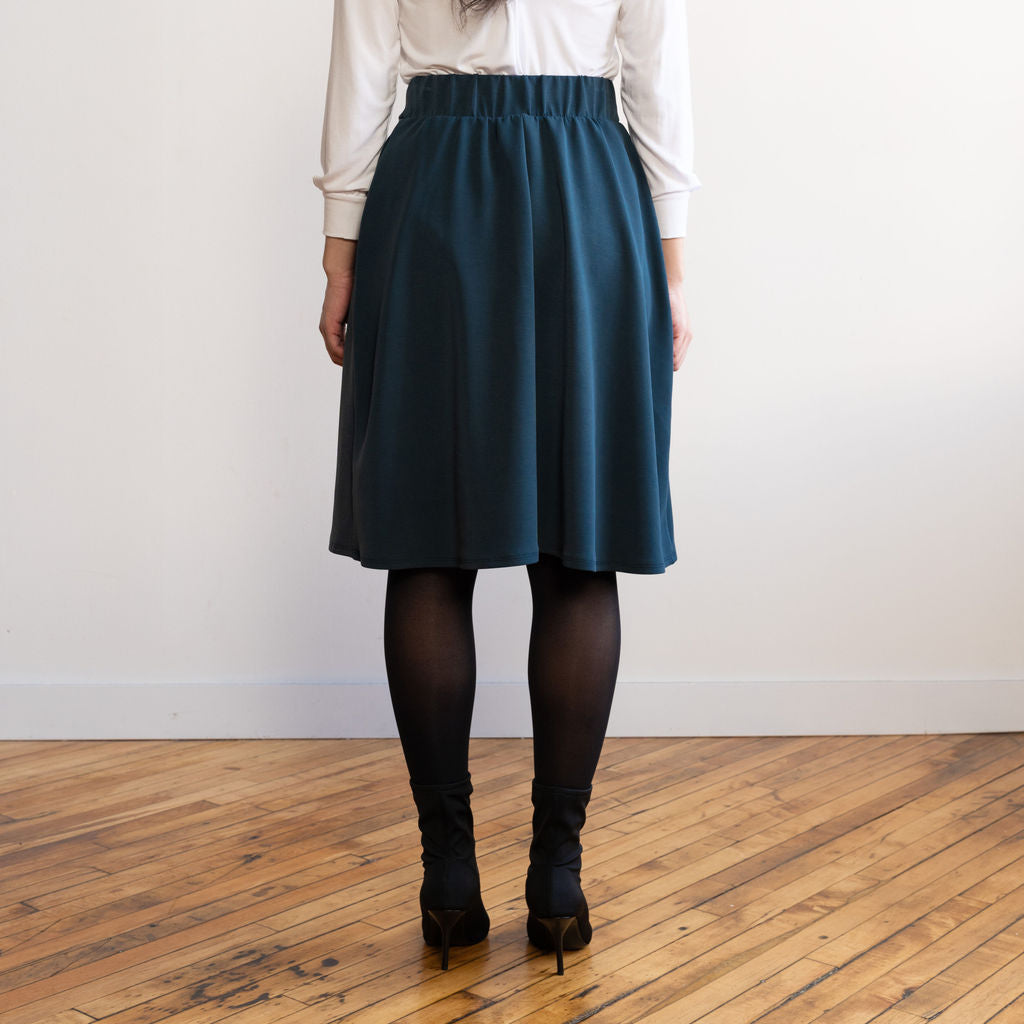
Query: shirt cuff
point(672, 212)
point(343, 214)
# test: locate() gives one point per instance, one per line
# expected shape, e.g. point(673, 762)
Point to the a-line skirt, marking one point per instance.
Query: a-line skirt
point(507, 379)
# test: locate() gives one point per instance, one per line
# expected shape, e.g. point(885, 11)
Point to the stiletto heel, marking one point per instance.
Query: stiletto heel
point(446, 920)
point(559, 917)
point(558, 927)
point(451, 906)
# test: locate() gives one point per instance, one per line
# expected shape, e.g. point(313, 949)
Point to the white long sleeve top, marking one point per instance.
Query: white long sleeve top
point(376, 41)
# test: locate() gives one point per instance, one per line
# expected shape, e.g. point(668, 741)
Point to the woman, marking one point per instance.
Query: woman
point(504, 290)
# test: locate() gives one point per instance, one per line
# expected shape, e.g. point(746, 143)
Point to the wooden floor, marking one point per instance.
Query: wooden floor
point(781, 880)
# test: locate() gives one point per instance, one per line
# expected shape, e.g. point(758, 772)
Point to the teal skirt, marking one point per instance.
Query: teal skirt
point(507, 382)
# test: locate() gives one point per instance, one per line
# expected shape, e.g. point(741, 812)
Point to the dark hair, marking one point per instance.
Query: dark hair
point(481, 6)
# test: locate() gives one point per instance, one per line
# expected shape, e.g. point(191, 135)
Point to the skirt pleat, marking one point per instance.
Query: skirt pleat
point(508, 357)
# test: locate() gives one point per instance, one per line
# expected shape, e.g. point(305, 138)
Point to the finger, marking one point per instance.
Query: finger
point(336, 349)
point(334, 345)
point(332, 329)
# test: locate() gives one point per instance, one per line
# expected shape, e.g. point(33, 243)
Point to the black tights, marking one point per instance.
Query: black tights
point(430, 653)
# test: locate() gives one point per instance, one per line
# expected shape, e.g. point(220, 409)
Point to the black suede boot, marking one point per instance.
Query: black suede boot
point(559, 917)
point(450, 901)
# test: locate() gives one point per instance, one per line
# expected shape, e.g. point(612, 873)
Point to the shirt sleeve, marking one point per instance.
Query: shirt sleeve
point(361, 88)
point(655, 92)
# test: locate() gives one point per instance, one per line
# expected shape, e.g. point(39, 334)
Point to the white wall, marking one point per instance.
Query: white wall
point(848, 475)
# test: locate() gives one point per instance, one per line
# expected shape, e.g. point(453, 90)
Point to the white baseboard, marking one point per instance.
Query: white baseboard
point(342, 710)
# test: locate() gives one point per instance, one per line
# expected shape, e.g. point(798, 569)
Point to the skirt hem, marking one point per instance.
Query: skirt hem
point(501, 561)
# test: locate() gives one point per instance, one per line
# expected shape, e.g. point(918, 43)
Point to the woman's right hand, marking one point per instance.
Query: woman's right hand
point(339, 260)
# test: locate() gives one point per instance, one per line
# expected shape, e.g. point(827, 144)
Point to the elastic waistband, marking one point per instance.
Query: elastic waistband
point(465, 94)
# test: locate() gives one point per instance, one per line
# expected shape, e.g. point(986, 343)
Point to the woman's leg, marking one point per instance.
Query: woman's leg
point(430, 655)
point(573, 663)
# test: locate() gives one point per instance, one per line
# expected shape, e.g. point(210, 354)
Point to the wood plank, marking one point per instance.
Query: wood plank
point(998, 992)
point(970, 974)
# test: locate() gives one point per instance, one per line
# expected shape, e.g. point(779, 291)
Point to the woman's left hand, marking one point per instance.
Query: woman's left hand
point(681, 333)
